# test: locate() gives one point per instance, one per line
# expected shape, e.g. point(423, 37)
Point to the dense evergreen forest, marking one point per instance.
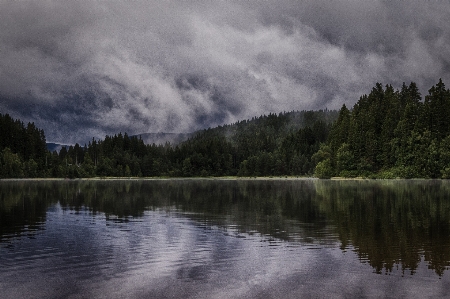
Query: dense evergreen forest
point(23, 149)
point(390, 133)
point(386, 134)
point(268, 145)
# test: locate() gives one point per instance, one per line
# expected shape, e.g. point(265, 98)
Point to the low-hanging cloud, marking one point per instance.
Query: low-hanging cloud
point(84, 69)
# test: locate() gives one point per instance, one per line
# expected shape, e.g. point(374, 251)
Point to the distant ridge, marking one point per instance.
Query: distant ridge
point(55, 146)
point(162, 138)
point(148, 138)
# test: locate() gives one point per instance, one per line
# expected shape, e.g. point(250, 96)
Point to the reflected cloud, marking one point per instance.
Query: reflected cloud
point(393, 226)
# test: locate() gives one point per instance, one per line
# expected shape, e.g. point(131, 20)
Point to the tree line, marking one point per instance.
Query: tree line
point(387, 134)
point(274, 144)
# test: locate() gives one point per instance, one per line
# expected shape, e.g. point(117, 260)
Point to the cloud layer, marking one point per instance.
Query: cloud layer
point(84, 69)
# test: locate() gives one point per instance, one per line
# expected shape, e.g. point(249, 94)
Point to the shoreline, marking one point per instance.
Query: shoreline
point(225, 178)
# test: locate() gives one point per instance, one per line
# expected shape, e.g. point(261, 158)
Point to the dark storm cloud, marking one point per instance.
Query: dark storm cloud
point(83, 69)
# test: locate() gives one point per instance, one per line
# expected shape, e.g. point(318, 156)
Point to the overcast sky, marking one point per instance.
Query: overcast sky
point(83, 69)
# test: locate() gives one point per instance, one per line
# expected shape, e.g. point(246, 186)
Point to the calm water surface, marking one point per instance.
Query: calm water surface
point(225, 239)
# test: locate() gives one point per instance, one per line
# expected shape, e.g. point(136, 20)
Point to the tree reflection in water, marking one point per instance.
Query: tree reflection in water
point(389, 224)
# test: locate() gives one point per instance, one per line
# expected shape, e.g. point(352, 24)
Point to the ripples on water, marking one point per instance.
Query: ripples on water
point(108, 257)
point(204, 241)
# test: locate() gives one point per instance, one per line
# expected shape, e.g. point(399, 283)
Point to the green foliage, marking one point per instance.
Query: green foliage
point(265, 146)
point(324, 169)
point(30, 167)
point(26, 148)
point(324, 153)
point(344, 159)
point(11, 164)
point(389, 134)
point(270, 145)
point(88, 168)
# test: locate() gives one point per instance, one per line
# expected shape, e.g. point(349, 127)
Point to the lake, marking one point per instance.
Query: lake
point(204, 238)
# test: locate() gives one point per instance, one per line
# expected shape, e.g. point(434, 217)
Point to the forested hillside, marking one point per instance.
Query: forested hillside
point(386, 134)
point(390, 133)
point(280, 144)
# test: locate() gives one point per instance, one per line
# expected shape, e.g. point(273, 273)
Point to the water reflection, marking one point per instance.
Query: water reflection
point(389, 224)
point(23, 208)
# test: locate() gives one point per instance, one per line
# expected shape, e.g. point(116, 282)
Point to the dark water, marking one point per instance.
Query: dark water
point(225, 239)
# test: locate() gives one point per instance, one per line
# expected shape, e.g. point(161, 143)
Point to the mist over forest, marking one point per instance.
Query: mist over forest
point(388, 133)
point(94, 68)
